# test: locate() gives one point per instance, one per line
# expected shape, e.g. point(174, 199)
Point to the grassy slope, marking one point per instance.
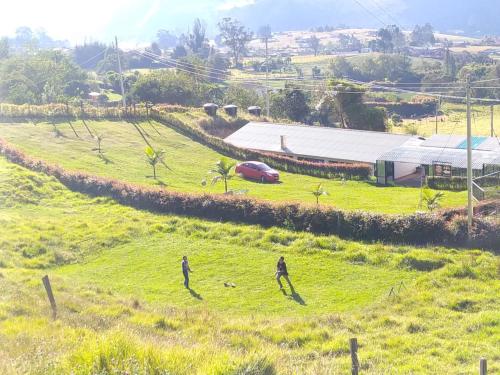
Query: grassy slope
point(121, 306)
point(124, 151)
point(454, 122)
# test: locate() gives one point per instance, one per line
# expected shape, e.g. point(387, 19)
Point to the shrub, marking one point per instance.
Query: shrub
point(421, 264)
point(459, 183)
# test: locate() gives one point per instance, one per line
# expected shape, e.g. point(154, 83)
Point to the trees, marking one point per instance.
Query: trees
point(235, 36)
point(291, 103)
point(449, 64)
point(170, 87)
point(242, 97)
point(314, 43)
point(349, 43)
point(222, 171)
point(44, 78)
point(196, 40)
point(389, 39)
point(392, 67)
point(89, 55)
point(154, 157)
point(341, 67)
point(422, 35)
point(352, 112)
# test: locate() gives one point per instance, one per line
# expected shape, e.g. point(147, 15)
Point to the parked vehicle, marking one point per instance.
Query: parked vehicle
point(256, 170)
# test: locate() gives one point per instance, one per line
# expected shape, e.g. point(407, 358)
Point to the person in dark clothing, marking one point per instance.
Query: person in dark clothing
point(185, 271)
point(281, 271)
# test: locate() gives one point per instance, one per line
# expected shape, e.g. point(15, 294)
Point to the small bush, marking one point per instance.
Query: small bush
point(463, 271)
point(357, 257)
point(415, 328)
point(421, 264)
point(464, 305)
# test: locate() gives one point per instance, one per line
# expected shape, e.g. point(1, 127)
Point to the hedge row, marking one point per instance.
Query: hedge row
point(323, 170)
point(407, 109)
point(416, 229)
point(66, 111)
point(460, 183)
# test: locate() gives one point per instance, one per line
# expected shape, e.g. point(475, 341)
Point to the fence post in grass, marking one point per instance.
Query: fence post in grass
point(353, 344)
point(50, 295)
point(483, 366)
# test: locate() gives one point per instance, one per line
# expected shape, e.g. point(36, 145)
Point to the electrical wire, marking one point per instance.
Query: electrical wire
point(432, 94)
point(389, 15)
point(370, 12)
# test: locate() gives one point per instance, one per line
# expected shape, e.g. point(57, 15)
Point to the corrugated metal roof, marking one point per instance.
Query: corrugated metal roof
point(459, 141)
point(319, 142)
point(430, 155)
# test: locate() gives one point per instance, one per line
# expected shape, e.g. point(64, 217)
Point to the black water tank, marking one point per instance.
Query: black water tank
point(255, 110)
point(231, 110)
point(211, 109)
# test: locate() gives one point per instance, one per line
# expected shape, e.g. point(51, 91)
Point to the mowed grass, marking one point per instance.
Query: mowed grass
point(189, 162)
point(143, 253)
point(115, 272)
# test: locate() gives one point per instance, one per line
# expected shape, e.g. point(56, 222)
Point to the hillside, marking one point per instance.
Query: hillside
point(470, 18)
point(116, 276)
point(189, 163)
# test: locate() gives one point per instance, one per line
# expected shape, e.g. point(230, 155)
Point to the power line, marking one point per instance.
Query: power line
point(370, 12)
point(396, 22)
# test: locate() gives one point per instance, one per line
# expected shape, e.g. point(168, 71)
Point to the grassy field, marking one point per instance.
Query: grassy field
point(454, 122)
point(122, 309)
point(124, 159)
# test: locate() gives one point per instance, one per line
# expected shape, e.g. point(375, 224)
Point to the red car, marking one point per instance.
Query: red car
point(256, 170)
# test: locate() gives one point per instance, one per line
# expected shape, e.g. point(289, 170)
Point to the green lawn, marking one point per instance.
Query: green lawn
point(189, 164)
point(122, 308)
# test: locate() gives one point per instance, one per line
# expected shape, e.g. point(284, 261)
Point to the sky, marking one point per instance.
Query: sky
point(137, 21)
point(84, 19)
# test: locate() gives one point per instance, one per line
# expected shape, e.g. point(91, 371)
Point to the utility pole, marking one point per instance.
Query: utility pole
point(267, 76)
point(470, 209)
point(124, 100)
point(437, 112)
point(492, 116)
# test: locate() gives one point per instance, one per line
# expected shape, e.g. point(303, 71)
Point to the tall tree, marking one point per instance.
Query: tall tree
point(196, 40)
point(450, 65)
point(236, 37)
point(314, 43)
point(89, 55)
point(422, 35)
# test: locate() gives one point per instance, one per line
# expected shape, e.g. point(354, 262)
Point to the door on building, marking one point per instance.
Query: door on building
point(385, 172)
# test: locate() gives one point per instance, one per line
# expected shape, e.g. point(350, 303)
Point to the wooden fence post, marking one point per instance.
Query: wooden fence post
point(483, 367)
point(48, 289)
point(353, 344)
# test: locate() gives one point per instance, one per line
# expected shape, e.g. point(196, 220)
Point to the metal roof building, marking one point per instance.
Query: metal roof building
point(448, 149)
point(393, 156)
point(320, 143)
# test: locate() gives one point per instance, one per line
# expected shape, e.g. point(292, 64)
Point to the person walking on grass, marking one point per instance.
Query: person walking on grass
point(281, 271)
point(185, 271)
